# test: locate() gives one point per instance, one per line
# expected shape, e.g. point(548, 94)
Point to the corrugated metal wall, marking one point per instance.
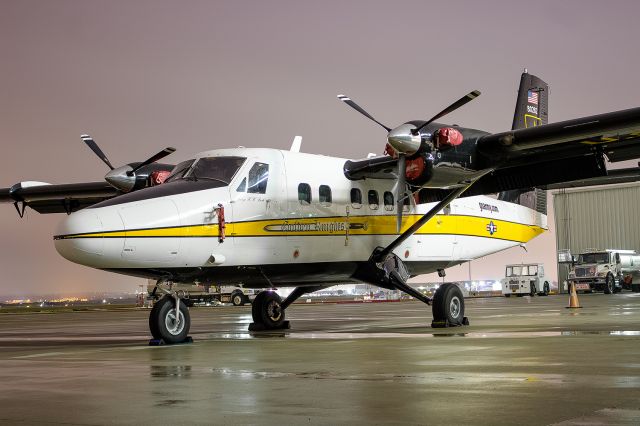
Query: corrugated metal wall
point(600, 217)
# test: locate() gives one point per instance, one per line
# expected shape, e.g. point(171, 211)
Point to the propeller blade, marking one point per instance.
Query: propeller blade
point(153, 159)
point(401, 188)
point(454, 106)
point(355, 106)
point(96, 149)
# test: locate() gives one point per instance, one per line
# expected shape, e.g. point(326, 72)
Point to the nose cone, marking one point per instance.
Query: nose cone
point(79, 239)
point(403, 141)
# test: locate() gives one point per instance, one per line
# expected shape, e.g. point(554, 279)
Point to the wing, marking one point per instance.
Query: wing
point(614, 134)
point(65, 198)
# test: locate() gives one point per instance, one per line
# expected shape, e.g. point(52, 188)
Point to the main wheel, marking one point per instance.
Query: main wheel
point(237, 298)
point(532, 290)
point(609, 284)
point(163, 324)
point(545, 289)
point(448, 304)
point(267, 310)
point(153, 324)
point(635, 288)
point(507, 295)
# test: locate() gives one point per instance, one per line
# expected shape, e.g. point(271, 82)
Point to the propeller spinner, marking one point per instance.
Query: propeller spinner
point(406, 140)
point(123, 178)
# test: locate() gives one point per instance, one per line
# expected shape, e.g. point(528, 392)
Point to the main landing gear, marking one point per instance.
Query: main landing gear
point(169, 320)
point(268, 309)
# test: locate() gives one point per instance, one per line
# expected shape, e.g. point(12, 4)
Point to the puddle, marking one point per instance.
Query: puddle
point(387, 335)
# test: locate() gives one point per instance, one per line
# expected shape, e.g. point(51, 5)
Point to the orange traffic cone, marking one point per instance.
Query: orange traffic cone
point(573, 299)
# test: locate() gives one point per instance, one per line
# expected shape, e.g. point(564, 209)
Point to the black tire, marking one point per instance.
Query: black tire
point(153, 324)
point(532, 290)
point(635, 288)
point(163, 315)
point(507, 295)
point(448, 304)
point(237, 298)
point(609, 284)
point(267, 310)
point(545, 289)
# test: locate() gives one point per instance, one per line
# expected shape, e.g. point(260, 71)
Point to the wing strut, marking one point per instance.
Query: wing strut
point(381, 253)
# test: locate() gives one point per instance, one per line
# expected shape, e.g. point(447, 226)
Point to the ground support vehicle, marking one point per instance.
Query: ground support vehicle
point(605, 270)
point(525, 279)
point(211, 294)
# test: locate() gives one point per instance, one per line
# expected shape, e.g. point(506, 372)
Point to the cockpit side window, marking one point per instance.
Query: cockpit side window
point(243, 185)
point(258, 176)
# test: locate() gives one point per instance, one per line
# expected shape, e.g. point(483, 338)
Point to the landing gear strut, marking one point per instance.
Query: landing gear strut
point(169, 320)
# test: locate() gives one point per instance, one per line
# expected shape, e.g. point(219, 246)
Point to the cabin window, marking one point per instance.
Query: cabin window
point(388, 201)
point(243, 186)
point(406, 202)
point(304, 194)
point(374, 201)
point(258, 176)
point(356, 198)
point(325, 195)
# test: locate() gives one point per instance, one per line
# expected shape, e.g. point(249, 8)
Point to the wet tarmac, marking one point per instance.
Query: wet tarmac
point(521, 361)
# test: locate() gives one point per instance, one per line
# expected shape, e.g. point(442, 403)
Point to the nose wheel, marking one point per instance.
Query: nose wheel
point(169, 321)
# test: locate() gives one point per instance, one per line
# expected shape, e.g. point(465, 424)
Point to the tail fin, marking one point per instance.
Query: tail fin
point(532, 109)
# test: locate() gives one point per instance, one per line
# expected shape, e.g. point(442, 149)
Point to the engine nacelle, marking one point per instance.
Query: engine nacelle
point(419, 169)
point(446, 138)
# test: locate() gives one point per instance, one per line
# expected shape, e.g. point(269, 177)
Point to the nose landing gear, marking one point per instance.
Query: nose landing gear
point(169, 320)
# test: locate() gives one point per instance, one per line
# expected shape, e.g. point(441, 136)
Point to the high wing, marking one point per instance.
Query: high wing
point(557, 154)
point(616, 134)
point(67, 198)
point(565, 154)
point(64, 198)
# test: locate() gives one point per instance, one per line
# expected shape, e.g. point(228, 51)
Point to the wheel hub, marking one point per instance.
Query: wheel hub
point(174, 327)
point(274, 311)
point(455, 307)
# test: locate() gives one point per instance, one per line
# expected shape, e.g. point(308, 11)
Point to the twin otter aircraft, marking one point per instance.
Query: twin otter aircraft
point(265, 218)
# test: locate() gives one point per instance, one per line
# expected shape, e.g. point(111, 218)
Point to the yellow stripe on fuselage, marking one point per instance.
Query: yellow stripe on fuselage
point(358, 225)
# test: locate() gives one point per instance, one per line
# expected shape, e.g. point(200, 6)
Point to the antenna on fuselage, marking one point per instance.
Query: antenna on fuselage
point(295, 146)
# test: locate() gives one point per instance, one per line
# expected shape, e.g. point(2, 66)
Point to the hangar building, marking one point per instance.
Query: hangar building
point(599, 217)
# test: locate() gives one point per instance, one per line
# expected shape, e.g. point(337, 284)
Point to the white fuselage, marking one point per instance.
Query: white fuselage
point(179, 231)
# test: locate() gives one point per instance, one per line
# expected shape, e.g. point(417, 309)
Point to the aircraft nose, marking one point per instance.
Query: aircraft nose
point(79, 237)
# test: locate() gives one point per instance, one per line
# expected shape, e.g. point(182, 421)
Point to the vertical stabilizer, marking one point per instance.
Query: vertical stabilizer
point(532, 106)
point(532, 109)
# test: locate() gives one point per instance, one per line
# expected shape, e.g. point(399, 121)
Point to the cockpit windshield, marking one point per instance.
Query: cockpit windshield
point(179, 170)
point(221, 169)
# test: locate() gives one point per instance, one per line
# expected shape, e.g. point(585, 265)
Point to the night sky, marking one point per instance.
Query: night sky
point(142, 75)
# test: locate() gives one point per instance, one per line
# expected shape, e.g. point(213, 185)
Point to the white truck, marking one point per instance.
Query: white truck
point(199, 293)
point(608, 270)
point(525, 279)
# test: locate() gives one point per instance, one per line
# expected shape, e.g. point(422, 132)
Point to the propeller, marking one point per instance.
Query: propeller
point(406, 140)
point(124, 177)
point(96, 149)
point(401, 189)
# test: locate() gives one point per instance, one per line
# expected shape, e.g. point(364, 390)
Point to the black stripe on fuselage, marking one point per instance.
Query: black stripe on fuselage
point(181, 186)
